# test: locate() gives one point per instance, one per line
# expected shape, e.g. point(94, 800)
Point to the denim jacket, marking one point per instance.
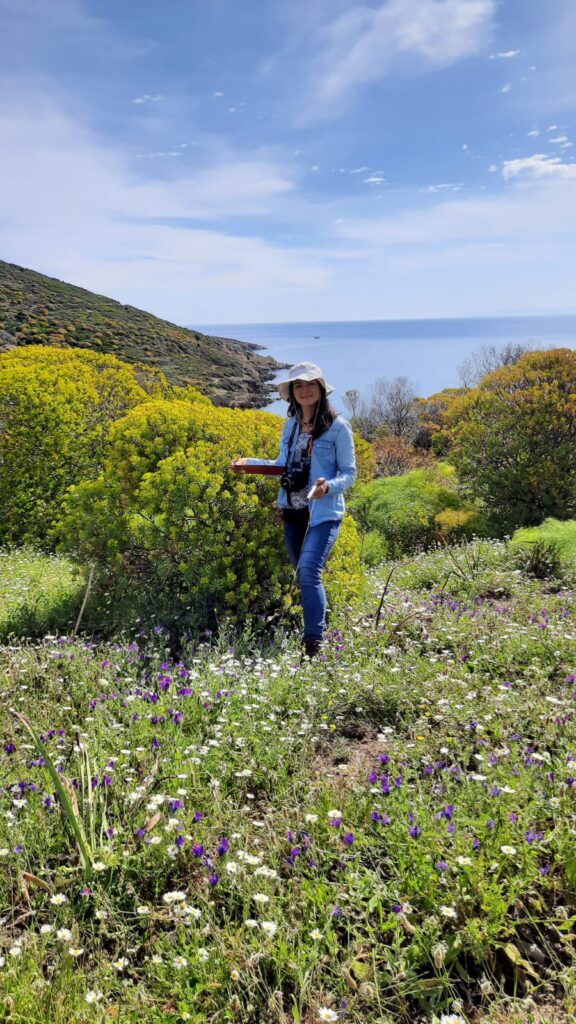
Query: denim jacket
point(333, 458)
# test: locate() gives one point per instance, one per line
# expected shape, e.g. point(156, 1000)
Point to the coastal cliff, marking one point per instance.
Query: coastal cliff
point(40, 310)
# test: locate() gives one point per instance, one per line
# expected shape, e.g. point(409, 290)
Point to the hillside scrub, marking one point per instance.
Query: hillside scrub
point(56, 408)
point(513, 440)
point(169, 519)
point(382, 837)
point(40, 310)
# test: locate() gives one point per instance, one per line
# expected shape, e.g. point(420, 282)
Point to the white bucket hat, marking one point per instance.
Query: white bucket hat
point(302, 371)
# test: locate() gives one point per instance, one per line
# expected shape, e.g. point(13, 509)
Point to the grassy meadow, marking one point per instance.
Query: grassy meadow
point(231, 834)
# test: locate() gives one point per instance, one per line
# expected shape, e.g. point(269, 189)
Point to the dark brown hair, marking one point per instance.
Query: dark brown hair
point(325, 413)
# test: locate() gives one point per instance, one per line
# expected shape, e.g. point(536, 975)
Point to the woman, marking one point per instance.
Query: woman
point(316, 445)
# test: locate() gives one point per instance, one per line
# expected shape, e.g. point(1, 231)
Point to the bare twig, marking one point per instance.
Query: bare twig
point(384, 592)
point(81, 612)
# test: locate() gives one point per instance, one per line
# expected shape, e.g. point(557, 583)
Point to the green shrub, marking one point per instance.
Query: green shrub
point(365, 459)
point(547, 551)
point(561, 533)
point(170, 519)
point(513, 439)
point(540, 559)
point(374, 548)
point(344, 576)
point(404, 510)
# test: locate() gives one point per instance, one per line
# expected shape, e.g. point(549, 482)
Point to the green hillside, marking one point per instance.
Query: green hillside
point(40, 310)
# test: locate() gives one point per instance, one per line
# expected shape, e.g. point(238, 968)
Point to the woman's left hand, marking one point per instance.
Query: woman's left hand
point(320, 489)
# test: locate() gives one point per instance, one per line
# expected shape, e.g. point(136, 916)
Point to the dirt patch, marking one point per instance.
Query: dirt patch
point(547, 1013)
point(350, 761)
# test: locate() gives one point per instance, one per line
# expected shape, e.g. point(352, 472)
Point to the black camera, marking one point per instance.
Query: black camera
point(295, 479)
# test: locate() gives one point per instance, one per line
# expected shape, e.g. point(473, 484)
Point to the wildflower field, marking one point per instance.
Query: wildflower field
point(385, 834)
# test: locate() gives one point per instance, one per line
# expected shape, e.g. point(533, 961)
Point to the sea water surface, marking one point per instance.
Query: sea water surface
point(352, 354)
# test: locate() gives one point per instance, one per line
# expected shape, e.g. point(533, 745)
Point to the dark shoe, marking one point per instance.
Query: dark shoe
point(311, 646)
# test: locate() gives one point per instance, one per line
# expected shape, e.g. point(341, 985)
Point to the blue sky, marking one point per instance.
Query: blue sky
point(264, 160)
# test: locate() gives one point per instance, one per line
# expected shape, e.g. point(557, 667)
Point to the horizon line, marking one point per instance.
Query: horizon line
point(394, 319)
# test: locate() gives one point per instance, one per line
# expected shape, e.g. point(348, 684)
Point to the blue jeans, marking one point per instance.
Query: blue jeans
point(309, 552)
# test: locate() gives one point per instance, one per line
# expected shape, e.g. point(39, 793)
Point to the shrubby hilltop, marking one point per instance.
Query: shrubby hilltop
point(40, 310)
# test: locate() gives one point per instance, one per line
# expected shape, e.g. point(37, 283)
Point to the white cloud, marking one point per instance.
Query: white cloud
point(446, 186)
point(506, 55)
point(507, 87)
point(147, 98)
point(534, 132)
point(538, 208)
point(559, 138)
point(158, 154)
point(364, 43)
point(89, 219)
point(374, 179)
point(538, 166)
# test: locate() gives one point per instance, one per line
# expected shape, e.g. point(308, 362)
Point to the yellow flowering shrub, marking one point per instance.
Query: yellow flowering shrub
point(56, 407)
point(168, 510)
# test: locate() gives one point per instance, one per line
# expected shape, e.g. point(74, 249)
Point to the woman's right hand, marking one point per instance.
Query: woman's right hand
point(238, 465)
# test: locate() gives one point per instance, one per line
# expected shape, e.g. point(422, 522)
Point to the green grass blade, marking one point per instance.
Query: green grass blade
point(74, 824)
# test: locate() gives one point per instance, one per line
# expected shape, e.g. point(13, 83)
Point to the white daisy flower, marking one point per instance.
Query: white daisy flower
point(93, 996)
point(174, 897)
point(448, 912)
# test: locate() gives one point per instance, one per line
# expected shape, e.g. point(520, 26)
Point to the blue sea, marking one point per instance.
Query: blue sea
point(353, 354)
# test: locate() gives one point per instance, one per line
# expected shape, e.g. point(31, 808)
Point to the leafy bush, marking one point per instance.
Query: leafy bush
point(365, 459)
point(172, 521)
point(404, 509)
point(456, 524)
point(394, 456)
point(562, 534)
point(56, 408)
point(374, 548)
point(540, 559)
point(514, 440)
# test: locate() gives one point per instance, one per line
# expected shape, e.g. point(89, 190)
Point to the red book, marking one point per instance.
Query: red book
point(262, 470)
